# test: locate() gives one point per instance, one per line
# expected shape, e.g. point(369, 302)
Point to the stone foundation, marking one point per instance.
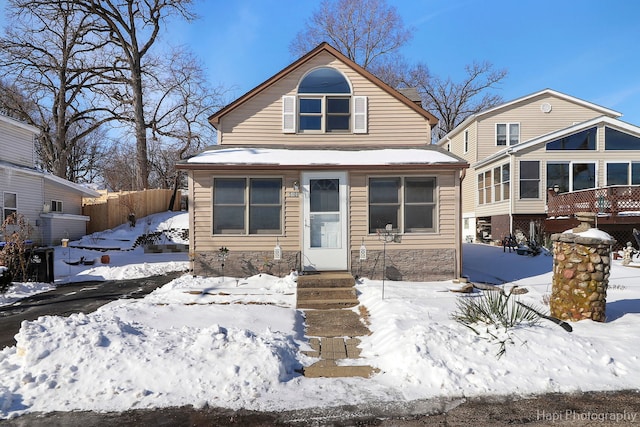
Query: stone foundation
point(416, 265)
point(581, 267)
point(422, 265)
point(245, 264)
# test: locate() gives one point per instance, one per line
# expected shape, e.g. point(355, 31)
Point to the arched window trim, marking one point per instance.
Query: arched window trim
point(311, 112)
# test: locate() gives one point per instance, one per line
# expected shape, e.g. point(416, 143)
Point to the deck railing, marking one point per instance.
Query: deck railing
point(613, 201)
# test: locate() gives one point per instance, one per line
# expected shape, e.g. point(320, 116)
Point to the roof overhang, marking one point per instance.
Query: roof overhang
point(603, 110)
point(543, 139)
point(310, 158)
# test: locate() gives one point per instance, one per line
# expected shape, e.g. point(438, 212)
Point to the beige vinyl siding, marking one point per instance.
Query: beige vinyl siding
point(446, 232)
point(259, 120)
point(202, 222)
point(533, 122)
point(16, 145)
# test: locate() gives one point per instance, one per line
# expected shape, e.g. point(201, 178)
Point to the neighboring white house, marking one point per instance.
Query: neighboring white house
point(52, 205)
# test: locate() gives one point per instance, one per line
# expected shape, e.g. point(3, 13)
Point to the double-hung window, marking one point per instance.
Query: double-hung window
point(56, 206)
point(507, 133)
point(247, 206)
point(407, 203)
point(10, 206)
point(324, 102)
point(529, 179)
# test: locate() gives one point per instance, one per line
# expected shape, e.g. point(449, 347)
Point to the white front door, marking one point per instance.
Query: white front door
point(325, 221)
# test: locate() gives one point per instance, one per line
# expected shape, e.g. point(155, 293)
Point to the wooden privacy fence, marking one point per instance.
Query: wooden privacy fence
point(112, 209)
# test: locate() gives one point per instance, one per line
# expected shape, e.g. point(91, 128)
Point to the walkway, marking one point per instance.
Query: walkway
point(332, 325)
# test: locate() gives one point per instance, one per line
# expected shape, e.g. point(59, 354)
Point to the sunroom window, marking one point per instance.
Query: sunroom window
point(585, 140)
point(616, 140)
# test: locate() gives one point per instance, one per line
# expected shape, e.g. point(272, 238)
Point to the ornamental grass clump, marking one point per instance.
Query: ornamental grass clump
point(495, 309)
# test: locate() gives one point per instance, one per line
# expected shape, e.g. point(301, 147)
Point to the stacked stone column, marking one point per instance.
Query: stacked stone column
point(581, 264)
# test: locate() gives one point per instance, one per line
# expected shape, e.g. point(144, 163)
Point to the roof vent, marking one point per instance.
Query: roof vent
point(545, 107)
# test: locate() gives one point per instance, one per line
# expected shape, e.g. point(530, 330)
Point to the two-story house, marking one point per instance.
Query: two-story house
point(323, 167)
point(52, 205)
point(537, 160)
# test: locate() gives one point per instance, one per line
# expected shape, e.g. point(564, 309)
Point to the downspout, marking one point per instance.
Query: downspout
point(511, 190)
point(463, 173)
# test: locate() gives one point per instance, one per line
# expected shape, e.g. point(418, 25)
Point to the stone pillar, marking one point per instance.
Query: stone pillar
point(581, 263)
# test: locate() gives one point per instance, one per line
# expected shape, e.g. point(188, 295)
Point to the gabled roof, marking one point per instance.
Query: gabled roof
point(543, 139)
point(214, 119)
point(603, 110)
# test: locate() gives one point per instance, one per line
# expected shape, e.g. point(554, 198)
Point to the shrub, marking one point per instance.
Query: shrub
point(16, 231)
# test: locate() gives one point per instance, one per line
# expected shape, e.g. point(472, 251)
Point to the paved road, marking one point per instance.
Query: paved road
point(576, 410)
point(72, 298)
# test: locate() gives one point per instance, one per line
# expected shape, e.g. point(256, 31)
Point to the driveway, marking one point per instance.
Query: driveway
point(67, 299)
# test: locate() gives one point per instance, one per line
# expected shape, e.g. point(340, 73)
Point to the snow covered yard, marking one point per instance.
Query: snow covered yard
point(237, 343)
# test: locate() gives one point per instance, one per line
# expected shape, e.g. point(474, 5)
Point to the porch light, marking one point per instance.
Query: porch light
point(556, 188)
point(296, 185)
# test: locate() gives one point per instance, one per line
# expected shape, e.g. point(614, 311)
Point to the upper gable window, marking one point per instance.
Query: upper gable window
point(324, 104)
point(507, 133)
point(616, 140)
point(585, 140)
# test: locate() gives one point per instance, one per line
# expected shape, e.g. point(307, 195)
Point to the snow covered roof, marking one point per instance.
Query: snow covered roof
point(327, 157)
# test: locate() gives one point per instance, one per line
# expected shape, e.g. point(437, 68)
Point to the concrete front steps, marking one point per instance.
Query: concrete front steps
point(326, 299)
point(326, 290)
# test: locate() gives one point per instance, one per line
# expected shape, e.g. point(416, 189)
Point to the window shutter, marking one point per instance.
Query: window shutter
point(359, 114)
point(289, 114)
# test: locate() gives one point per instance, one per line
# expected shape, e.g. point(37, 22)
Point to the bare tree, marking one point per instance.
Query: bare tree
point(133, 26)
point(452, 102)
point(371, 33)
point(48, 52)
point(364, 30)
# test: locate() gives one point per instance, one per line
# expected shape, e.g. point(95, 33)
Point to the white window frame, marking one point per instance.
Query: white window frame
point(57, 206)
point(5, 208)
point(570, 164)
point(538, 180)
point(466, 141)
point(629, 164)
point(508, 134)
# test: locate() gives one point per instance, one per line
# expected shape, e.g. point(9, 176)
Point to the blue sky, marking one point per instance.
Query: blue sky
point(589, 49)
point(585, 48)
